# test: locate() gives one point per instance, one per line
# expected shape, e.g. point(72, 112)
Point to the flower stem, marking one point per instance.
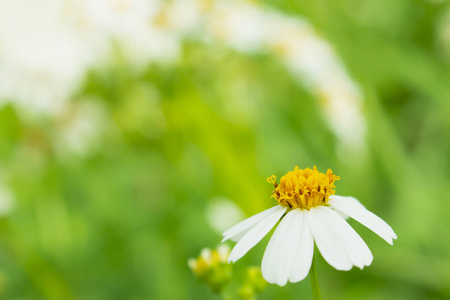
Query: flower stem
point(314, 280)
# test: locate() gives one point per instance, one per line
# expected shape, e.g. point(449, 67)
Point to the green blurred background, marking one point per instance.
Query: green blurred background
point(113, 206)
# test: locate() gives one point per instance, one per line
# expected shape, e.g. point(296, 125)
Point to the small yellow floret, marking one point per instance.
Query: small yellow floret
point(209, 259)
point(304, 188)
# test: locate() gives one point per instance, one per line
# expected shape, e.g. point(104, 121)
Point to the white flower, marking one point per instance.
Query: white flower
point(311, 213)
point(80, 128)
point(131, 23)
point(7, 201)
point(221, 213)
point(43, 59)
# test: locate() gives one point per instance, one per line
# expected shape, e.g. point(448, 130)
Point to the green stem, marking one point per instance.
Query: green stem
point(314, 280)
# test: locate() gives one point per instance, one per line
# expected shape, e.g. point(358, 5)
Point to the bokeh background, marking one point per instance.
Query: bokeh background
point(132, 133)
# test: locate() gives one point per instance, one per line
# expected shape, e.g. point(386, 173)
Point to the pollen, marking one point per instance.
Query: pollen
point(304, 188)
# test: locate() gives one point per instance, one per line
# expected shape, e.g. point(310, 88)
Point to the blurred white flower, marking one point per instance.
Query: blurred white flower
point(42, 60)
point(183, 17)
point(342, 106)
point(115, 17)
point(221, 213)
point(309, 211)
point(80, 128)
point(248, 27)
point(443, 34)
point(312, 61)
point(131, 23)
point(46, 49)
point(7, 202)
point(241, 26)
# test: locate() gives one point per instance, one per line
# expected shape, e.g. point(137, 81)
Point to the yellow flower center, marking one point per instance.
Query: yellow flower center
point(304, 188)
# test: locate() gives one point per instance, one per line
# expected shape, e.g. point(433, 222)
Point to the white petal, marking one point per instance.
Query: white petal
point(304, 252)
point(237, 237)
point(353, 208)
point(345, 216)
point(330, 246)
point(289, 253)
point(271, 256)
point(237, 230)
point(339, 244)
point(280, 251)
point(254, 235)
point(342, 215)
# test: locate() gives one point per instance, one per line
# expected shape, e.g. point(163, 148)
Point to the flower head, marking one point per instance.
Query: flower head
point(304, 188)
point(309, 212)
point(212, 268)
point(209, 259)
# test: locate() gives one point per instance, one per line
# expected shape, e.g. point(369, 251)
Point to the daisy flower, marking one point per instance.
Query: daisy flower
point(211, 267)
point(309, 211)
